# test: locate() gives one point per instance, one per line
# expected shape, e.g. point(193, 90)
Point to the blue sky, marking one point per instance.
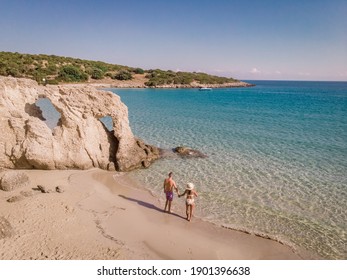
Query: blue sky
point(268, 39)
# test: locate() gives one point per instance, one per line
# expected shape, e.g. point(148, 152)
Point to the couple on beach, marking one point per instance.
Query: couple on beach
point(170, 185)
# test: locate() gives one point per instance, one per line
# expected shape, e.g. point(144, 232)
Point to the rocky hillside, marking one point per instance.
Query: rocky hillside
point(52, 69)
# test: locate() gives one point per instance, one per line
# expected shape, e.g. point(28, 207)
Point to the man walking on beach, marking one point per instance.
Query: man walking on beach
point(169, 185)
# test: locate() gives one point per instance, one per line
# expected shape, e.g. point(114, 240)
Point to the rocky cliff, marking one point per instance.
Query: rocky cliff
point(79, 141)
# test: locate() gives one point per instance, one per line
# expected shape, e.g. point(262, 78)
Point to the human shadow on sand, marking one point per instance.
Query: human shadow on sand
point(148, 205)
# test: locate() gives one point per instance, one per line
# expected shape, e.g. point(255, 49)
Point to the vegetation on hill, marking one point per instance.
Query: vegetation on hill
point(159, 77)
point(54, 69)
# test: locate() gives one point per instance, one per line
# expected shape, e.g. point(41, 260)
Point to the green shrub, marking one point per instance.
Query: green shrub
point(123, 75)
point(151, 83)
point(39, 77)
point(51, 69)
point(104, 67)
point(53, 82)
point(71, 73)
point(139, 71)
point(97, 74)
point(183, 78)
point(14, 72)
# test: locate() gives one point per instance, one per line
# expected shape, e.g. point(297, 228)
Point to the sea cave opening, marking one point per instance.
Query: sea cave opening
point(107, 122)
point(49, 113)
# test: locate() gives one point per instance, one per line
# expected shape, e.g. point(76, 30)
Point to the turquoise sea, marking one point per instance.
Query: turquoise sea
point(277, 157)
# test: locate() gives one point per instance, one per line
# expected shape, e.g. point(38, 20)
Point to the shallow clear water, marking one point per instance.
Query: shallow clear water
point(277, 156)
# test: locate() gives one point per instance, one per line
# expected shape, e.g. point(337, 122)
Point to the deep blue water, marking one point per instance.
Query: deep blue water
point(277, 156)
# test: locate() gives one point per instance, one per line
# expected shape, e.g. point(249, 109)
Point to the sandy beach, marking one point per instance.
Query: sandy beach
point(105, 215)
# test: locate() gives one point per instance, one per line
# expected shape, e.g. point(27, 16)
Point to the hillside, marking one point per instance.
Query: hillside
point(54, 69)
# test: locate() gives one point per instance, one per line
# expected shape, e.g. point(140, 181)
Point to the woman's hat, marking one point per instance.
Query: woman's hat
point(190, 186)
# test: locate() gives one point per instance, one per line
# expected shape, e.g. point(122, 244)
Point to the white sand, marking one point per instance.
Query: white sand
point(102, 215)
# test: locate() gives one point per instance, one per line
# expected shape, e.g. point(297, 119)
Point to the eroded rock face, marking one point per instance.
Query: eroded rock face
point(79, 141)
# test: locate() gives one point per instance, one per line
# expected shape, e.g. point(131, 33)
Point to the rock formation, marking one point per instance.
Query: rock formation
point(188, 152)
point(79, 141)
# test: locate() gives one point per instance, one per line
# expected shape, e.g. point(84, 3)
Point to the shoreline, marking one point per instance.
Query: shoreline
point(139, 82)
point(106, 215)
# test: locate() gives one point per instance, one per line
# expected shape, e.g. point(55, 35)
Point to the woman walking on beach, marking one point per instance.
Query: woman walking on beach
point(190, 202)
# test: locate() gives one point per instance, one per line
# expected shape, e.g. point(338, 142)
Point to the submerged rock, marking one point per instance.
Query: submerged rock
point(188, 152)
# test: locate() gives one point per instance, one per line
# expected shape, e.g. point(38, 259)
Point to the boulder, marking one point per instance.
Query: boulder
point(188, 152)
point(80, 140)
point(12, 180)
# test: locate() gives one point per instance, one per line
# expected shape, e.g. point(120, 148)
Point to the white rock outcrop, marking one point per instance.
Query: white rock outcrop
point(79, 141)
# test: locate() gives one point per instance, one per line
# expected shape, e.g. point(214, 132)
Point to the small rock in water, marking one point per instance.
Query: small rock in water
point(186, 151)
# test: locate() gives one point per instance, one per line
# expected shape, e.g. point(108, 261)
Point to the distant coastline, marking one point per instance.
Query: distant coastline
point(56, 70)
point(139, 82)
